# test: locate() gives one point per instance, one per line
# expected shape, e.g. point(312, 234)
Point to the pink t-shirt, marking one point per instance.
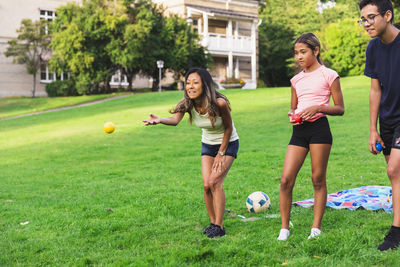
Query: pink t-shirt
point(313, 88)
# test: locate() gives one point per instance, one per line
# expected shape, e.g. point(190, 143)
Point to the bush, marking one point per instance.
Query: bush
point(61, 88)
point(343, 47)
point(261, 84)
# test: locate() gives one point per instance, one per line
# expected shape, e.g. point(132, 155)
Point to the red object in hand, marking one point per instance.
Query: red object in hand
point(297, 118)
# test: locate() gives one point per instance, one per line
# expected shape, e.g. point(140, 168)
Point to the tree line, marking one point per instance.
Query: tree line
point(94, 40)
point(343, 41)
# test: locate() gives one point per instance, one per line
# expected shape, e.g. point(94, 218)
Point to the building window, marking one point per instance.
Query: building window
point(47, 15)
point(119, 80)
point(195, 25)
point(47, 76)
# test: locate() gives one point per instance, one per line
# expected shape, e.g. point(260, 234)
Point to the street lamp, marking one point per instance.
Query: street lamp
point(160, 65)
point(189, 21)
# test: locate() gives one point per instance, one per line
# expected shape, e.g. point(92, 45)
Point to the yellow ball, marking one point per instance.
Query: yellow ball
point(109, 127)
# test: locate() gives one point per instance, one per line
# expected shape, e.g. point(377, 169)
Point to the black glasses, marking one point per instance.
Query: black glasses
point(370, 19)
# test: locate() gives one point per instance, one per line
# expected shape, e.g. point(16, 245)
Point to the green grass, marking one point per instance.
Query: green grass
point(135, 197)
point(14, 106)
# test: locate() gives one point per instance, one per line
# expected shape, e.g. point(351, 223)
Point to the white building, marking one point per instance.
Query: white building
point(14, 79)
point(228, 28)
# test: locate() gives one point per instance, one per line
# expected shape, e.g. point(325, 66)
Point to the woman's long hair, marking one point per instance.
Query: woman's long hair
point(208, 97)
point(312, 42)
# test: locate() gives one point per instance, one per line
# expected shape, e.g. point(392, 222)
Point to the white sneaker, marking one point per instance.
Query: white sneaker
point(315, 232)
point(283, 234)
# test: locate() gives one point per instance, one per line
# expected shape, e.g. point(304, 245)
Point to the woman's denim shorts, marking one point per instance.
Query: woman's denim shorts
point(212, 150)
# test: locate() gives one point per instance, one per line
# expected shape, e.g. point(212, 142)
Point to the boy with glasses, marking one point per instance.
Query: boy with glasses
point(383, 67)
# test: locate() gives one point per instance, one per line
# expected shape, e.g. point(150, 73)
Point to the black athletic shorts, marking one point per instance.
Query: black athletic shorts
point(390, 134)
point(212, 150)
point(317, 132)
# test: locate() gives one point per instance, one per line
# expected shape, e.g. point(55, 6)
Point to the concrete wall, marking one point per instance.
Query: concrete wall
point(14, 80)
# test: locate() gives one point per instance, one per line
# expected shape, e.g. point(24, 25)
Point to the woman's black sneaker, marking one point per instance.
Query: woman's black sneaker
point(392, 239)
point(216, 231)
point(208, 229)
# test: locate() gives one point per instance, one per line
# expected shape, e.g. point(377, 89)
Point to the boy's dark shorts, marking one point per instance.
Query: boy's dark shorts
point(212, 150)
point(390, 134)
point(317, 132)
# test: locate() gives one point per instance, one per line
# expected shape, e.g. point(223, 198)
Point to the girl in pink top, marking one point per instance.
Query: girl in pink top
point(311, 91)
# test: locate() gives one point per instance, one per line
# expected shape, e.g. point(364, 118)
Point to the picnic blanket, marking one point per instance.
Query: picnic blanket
point(370, 197)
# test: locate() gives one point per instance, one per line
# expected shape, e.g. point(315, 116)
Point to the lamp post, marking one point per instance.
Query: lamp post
point(160, 65)
point(189, 21)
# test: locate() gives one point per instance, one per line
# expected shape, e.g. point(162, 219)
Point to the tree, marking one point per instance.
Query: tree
point(150, 36)
point(343, 47)
point(277, 33)
point(184, 45)
point(29, 47)
point(96, 39)
point(79, 40)
point(284, 20)
point(138, 43)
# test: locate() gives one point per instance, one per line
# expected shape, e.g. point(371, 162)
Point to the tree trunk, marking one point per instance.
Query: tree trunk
point(129, 84)
point(107, 85)
point(34, 85)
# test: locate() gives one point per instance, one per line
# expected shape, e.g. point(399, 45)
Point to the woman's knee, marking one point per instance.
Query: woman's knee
point(207, 188)
point(215, 183)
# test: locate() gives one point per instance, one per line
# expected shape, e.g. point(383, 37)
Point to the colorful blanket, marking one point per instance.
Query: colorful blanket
point(371, 197)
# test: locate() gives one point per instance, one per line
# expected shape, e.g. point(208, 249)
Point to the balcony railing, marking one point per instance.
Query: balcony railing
point(223, 43)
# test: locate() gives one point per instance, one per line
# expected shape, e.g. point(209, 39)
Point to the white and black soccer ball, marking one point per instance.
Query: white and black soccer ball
point(258, 201)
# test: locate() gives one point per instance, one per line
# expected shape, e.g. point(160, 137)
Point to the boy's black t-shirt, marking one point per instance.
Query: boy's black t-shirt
point(383, 63)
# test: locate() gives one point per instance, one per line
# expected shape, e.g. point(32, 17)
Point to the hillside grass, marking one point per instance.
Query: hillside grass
point(135, 197)
point(14, 106)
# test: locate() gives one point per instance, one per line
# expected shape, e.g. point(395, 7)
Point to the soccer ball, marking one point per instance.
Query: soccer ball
point(257, 201)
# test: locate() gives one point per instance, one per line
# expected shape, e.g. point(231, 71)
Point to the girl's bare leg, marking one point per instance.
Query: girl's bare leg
point(294, 159)
point(319, 154)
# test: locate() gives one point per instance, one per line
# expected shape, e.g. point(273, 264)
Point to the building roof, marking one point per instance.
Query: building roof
point(222, 12)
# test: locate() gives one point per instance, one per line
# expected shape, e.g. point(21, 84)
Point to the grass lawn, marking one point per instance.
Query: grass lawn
point(135, 197)
point(13, 106)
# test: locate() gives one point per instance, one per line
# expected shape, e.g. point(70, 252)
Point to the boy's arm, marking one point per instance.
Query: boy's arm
point(374, 103)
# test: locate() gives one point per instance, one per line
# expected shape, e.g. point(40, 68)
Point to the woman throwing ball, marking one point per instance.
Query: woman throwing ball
point(210, 111)
point(311, 91)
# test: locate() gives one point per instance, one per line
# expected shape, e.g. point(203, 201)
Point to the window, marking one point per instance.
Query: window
point(119, 80)
point(217, 26)
point(47, 16)
point(47, 76)
point(195, 25)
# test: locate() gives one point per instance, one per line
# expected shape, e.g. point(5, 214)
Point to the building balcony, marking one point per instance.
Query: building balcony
point(223, 44)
